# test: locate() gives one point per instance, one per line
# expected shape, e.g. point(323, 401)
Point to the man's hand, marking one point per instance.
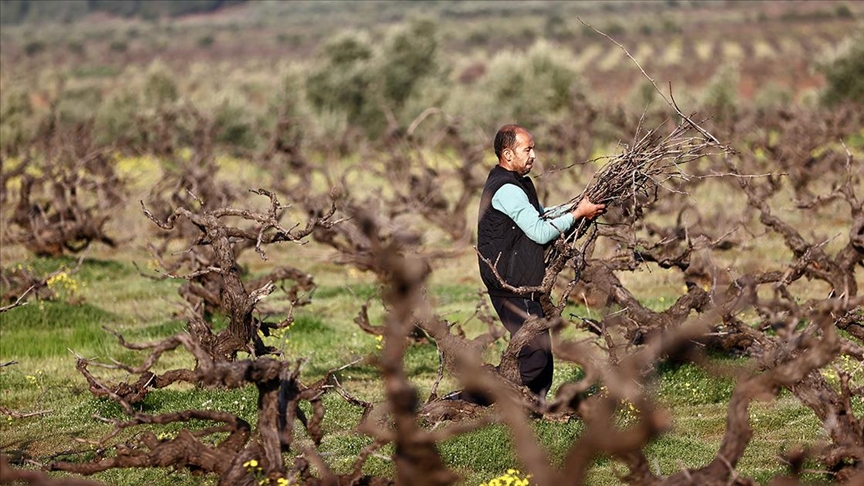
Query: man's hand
point(588, 210)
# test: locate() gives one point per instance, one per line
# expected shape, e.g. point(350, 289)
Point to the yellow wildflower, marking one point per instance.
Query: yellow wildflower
point(511, 478)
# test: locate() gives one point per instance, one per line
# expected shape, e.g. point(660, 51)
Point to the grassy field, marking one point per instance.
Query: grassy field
point(40, 336)
point(108, 291)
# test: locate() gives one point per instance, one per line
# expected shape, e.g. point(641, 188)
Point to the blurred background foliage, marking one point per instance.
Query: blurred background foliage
point(360, 72)
point(18, 11)
point(845, 73)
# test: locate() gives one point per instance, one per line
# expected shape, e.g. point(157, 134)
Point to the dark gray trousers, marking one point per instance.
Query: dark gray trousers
point(535, 359)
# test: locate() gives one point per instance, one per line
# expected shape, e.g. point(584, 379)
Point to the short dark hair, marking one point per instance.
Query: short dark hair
point(506, 138)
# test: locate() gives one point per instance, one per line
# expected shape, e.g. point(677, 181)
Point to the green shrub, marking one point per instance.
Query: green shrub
point(233, 126)
point(644, 95)
point(720, 97)
point(116, 119)
point(160, 88)
point(478, 38)
point(613, 28)
point(556, 27)
point(94, 71)
point(79, 105)
point(290, 101)
point(76, 47)
point(290, 39)
point(348, 49)
point(527, 34)
point(795, 15)
point(344, 80)
point(671, 27)
point(529, 87)
point(118, 46)
point(34, 47)
point(408, 57)
point(772, 96)
point(845, 74)
point(205, 40)
point(361, 82)
point(843, 11)
point(17, 126)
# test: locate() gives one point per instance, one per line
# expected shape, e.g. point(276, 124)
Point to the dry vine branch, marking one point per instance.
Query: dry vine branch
point(650, 161)
point(19, 301)
point(23, 415)
point(280, 393)
point(221, 278)
point(66, 209)
point(839, 272)
point(66, 194)
point(11, 475)
point(242, 333)
point(421, 187)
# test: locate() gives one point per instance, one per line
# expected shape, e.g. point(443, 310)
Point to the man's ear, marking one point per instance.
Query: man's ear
point(508, 153)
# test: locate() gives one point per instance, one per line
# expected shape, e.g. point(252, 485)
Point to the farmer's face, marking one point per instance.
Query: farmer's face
point(522, 153)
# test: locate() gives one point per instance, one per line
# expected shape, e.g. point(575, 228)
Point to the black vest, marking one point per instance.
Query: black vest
point(519, 259)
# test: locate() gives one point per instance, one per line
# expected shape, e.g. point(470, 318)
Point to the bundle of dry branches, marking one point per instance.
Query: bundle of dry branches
point(648, 164)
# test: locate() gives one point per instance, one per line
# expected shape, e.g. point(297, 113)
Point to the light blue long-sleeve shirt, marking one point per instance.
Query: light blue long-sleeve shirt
point(512, 201)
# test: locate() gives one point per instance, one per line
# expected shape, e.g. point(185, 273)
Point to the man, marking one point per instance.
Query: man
point(513, 235)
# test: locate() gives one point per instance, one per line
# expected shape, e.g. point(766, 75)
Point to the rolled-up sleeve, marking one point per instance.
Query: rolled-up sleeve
point(512, 201)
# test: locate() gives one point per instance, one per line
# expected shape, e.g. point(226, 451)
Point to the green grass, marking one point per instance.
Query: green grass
point(47, 329)
point(688, 384)
point(110, 292)
point(698, 410)
point(94, 71)
point(356, 291)
point(462, 452)
point(698, 424)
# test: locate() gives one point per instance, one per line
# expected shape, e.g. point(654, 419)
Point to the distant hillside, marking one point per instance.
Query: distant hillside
point(23, 11)
point(101, 51)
